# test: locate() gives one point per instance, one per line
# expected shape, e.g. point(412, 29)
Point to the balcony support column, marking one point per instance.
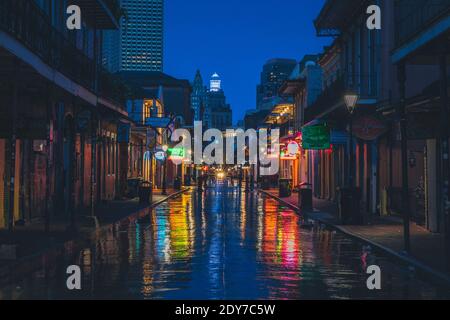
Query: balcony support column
point(93, 182)
point(12, 143)
point(445, 152)
point(49, 159)
point(401, 70)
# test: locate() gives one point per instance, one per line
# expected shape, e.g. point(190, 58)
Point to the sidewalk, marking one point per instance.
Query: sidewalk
point(383, 233)
point(31, 240)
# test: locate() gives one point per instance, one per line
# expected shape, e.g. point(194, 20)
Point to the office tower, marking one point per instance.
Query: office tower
point(138, 45)
point(198, 96)
point(274, 73)
point(218, 113)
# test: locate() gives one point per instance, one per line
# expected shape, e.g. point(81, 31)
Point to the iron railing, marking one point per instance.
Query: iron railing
point(365, 86)
point(112, 87)
point(414, 16)
point(26, 22)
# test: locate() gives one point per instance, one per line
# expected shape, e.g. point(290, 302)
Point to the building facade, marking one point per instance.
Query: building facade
point(59, 113)
point(419, 112)
point(159, 104)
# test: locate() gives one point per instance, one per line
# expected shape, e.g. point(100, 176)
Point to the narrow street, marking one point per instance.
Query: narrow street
point(222, 244)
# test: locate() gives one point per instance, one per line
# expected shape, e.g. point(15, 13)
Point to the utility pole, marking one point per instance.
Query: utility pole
point(164, 182)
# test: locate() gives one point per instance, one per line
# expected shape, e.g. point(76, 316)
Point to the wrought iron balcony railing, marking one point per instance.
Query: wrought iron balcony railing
point(112, 87)
point(414, 16)
point(24, 21)
point(364, 85)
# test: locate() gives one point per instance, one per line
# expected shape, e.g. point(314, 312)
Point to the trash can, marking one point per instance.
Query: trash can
point(132, 188)
point(200, 183)
point(187, 180)
point(177, 183)
point(145, 192)
point(349, 206)
point(284, 188)
point(305, 198)
point(265, 183)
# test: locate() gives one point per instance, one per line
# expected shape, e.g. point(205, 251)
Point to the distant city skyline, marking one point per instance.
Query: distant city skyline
point(235, 39)
point(210, 103)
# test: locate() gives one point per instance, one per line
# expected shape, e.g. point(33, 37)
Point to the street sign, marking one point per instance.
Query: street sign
point(316, 137)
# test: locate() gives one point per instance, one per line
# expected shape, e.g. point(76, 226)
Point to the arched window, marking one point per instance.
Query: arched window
point(152, 109)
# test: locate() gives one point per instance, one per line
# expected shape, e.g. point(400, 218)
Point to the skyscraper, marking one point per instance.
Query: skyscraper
point(138, 45)
point(198, 96)
point(274, 73)
point(217, 113)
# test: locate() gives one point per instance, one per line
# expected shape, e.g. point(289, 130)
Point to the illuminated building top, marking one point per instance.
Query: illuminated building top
point(215, 83)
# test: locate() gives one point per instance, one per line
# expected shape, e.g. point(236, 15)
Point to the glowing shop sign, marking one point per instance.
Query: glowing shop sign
point(316, 137)
point(160, 156)
point(177, 152)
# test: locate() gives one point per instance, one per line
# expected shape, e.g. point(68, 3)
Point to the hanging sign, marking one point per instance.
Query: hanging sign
point(291, 151)
point(368, 128)
point(316, 137)
point(176, 152)
point(160, 156)
point(293, 148)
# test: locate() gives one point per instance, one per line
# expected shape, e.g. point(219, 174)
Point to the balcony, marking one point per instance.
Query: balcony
point(24, 21)
point(414, 17)
point(332, 97)
point(103, 14)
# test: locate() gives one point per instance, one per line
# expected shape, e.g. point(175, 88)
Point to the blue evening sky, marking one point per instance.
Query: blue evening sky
point(234, 38)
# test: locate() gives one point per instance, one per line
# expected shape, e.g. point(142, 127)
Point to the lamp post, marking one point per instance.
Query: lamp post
point(164, 182)
point(351, 100)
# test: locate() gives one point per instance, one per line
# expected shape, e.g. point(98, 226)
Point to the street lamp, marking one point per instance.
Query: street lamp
point(351, 205)
point(165, 148)
point(351, 100)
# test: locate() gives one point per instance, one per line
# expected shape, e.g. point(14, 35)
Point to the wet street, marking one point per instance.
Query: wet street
point(224, 244)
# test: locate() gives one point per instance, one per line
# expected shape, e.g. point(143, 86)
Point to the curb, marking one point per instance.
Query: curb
point(436, 276)
point(85, 236)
